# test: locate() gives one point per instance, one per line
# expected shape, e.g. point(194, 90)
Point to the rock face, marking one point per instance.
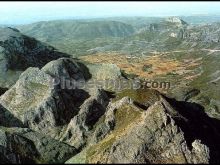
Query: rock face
point(161, 134)
point(7, 119)
point(68, 69)
point(39, 102)
point(44, 118)
point(18, 52)
point(156, 139)
point(134, 126)
point(176, 20)
point(21, 145)
point(79, 128)
point(170, 24)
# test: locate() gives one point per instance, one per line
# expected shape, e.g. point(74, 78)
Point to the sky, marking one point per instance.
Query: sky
point(28, 12)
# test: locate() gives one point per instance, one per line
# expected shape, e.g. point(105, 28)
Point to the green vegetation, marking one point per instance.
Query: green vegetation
point(124, 116)
point(142, 96)
point(165, 50)
point(128, 75)
point(49, 31)
point(147, 68)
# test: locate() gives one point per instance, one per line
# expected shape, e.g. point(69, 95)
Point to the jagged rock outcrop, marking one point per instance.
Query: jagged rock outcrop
point(176, 20)
point(18, 52)
point(54, 123)
point(154, 139)
point(41, 103)
point(68, 69)
point(56, 109)
point(167, 131)
point(169, 24)
point(108, 125)
point(80, 126)
point(38, 101)
point(21, 145)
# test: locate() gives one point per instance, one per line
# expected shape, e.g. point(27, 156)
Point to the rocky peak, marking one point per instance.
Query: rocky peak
point(35, 98)
point(67, 68)
point(162, 133)
point(175, 20)
point(54, 123)
point(18, 52)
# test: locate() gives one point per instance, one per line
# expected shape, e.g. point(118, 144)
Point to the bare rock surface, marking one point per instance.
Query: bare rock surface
point(21, 145)
point(18, 52)
point(161, 134)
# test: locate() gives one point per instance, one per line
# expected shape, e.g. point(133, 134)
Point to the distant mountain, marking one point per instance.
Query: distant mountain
point(68, 29)
point(175, 33)
point(94, 115)
point(79, 37)
point(201, 19)
point(175, 20)
point(137, 22)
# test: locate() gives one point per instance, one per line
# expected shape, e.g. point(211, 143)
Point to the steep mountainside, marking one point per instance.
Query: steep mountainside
point(18, 52)
point(77, 37)
point(52, 30)
point(170, 38)
point(133, 126)
point(57, 109)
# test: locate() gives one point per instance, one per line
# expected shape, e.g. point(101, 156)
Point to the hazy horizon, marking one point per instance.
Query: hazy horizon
point(29, 12)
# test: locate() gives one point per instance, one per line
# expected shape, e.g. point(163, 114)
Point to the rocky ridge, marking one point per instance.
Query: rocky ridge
point(18, 52)
point(45, 119)
point(144, 127)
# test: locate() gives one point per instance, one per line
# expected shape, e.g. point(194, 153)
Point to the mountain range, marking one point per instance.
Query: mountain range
point(43, 122)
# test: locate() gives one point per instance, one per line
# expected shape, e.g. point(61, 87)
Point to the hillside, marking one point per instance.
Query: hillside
point(130, 35)
point(18, 52)
point(172, 39)
point(91, 125)
point(51, 30)
point(55, 108)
